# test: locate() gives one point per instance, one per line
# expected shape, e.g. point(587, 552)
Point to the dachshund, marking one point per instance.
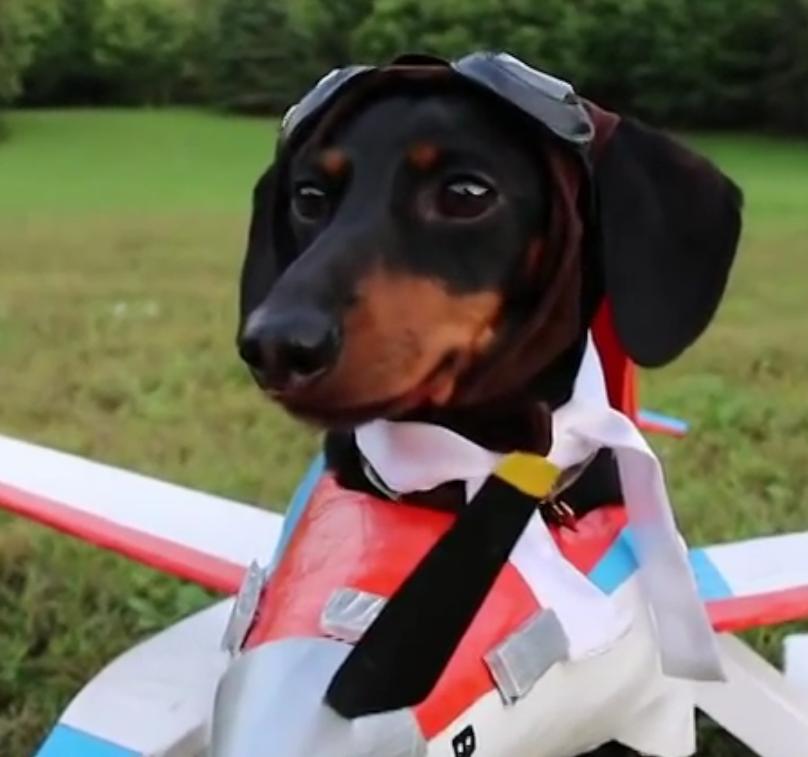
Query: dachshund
point(424, 252)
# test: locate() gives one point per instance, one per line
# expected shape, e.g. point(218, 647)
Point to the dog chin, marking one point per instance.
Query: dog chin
point(337, 413)
point(340, 418)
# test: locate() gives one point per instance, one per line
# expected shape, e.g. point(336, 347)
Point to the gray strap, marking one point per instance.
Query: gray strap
point(349, 613)
point(527, 654)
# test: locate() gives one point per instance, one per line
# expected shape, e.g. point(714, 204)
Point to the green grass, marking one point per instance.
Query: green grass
point(130, 162)
point(121, 234)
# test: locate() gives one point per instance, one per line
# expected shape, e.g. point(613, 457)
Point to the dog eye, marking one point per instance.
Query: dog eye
point(310, 202)
point(465, 198)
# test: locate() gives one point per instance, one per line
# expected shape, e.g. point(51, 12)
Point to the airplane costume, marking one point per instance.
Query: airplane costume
point(566, 620)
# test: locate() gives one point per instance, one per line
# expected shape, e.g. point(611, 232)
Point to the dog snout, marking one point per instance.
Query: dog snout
point(290, 349)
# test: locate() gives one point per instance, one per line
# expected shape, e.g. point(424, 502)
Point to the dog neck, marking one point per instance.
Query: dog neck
point(409, 456)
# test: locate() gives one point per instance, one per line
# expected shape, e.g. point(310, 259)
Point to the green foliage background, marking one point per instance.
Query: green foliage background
point(679, 62)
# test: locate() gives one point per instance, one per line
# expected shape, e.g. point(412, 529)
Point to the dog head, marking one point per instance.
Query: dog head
point(423, 244)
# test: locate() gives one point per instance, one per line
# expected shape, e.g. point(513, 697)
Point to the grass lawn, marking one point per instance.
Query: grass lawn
point(121, 235)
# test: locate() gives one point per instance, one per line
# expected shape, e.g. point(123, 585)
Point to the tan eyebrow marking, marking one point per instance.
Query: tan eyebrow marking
point(333, 161)
point(423, 155)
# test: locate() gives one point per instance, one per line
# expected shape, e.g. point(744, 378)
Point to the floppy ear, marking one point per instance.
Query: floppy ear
point(267, 240)
point(670, 222)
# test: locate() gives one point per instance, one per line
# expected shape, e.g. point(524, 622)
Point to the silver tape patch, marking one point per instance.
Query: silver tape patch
point(527, 654)
point(244, 608)
point(349, 613)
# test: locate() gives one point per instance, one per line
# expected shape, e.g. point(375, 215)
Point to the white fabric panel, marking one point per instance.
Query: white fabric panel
point(157, 698)
point(795, 661)
point(591, 620)
point(757, 704)
point(620, 694)
point(413, 457)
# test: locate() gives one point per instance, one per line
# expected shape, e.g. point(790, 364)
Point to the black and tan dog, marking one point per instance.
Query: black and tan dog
point(423, 251)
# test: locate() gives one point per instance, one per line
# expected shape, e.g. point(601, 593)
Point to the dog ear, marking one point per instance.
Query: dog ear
point(670, 223)
point(267, 243)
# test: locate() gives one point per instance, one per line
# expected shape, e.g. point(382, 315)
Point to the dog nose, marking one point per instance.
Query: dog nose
point(290, 348)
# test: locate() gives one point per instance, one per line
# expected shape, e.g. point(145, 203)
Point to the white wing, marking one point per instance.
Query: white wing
point(756, 582)
point(187, 533)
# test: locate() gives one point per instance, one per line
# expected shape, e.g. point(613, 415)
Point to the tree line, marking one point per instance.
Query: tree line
point(695, 63)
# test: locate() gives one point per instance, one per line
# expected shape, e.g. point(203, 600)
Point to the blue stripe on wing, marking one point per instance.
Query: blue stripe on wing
point(65, 741)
